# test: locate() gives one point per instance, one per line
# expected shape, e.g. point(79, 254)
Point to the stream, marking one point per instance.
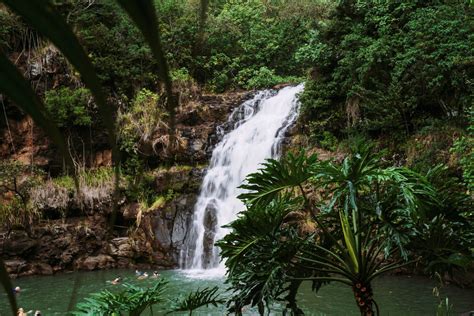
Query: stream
point(396, 295)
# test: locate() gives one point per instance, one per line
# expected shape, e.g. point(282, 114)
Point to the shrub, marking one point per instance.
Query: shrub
point(13, 213)
point(382, 67)
point(139, 121)
point(70, 107)
point(261, 78)
point(16, 183)
point(464, 148)
point(324, 139)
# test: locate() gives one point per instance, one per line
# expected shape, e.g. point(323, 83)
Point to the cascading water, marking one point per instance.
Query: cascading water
point(259, 129)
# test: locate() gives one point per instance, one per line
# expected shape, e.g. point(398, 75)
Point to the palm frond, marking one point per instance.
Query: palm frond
point(350, 241)
point(258, 233)
point(277, 176)
point(138, 298)
point(252, 227)
point(132, 299)
point(102, 303)
point(197, 299)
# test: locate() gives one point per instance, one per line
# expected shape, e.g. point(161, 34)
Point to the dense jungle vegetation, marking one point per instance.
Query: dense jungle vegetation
point(389, 91)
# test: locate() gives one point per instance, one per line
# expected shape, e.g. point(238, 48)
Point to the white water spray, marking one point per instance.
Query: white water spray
point(257, 135)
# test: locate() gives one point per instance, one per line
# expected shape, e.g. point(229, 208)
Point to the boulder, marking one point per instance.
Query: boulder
point(43, 269)
point(15, 266)
point(97, 262)
point(121, 247)
point(19, 244)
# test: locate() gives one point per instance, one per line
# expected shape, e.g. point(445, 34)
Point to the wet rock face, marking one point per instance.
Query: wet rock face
point(22, 267)
point(82, 242)
point(171, 227)
point(196, 127)
point(210, 225)
point(172, 222)
point(121, 247)
point(180, 179)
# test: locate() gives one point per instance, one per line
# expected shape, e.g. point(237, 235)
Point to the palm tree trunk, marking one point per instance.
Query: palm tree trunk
point(292, 305)
point(364, 298)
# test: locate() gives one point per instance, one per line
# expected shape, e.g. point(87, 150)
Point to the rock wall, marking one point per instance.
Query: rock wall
point(74, 232)
point(145, 238)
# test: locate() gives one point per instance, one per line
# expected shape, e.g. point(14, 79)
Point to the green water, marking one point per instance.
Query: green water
point(396, 295)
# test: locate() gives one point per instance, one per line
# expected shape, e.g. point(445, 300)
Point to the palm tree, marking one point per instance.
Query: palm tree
point(259, 251)
point(348, 203)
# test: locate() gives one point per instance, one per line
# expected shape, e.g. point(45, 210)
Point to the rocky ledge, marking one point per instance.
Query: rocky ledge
point(74, 232)
point(144, 236)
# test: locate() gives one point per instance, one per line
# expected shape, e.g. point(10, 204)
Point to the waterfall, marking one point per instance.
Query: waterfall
point(259, 127)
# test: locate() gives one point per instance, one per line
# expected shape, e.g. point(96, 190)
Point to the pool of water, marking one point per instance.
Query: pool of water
point(396, 295)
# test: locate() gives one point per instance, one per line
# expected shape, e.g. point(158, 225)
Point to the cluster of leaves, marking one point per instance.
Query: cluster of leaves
point(251, 44)
point(96, 177)
point(443, 237)
point(345, 222)
point(116, 48)
point(16, 182)
point(9, 25)
point(140, 121)
point(236, 41)
point(197, 299)
point(464, 148)
point(137, 126)
point(383, 67)
point(134, 300)
point(70, 107)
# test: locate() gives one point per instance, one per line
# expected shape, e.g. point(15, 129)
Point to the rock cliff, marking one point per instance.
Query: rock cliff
point(73, 231)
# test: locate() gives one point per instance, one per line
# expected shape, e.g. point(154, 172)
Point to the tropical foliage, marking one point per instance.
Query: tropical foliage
point(389, 71)
point(197, 299)
point(134, 300)
point(385, 67)
point(322, 221)
point(16, 181)
point(69, 107)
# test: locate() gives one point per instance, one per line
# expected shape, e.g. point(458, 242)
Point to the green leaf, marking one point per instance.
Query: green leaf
point(350, 241)
point(197, 299)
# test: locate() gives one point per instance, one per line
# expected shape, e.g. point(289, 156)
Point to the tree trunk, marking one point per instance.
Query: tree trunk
point(291, 298)
point(364, 298)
